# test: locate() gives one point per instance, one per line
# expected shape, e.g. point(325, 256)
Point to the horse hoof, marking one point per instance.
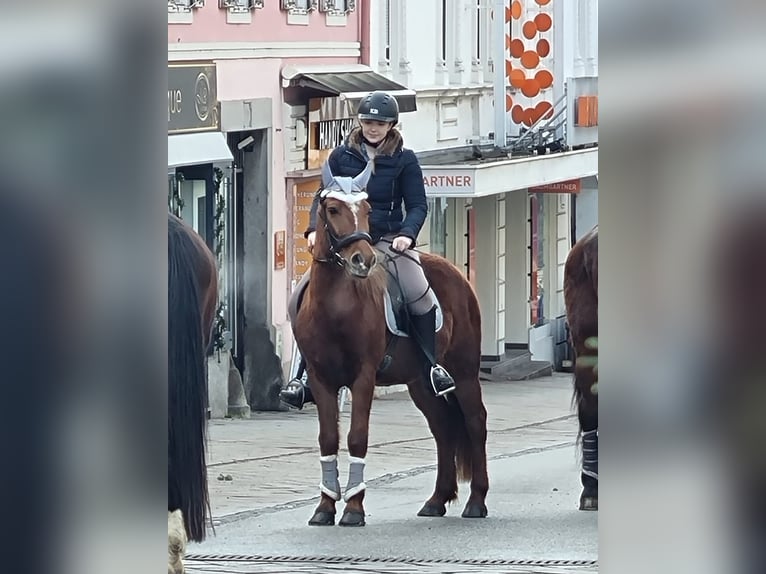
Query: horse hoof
point(475, 511)
point(589, 503)
point(352, 518)
point(322, 518)
point(433, 510)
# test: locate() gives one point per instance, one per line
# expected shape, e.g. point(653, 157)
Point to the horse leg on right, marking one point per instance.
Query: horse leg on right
point(327, 407)
point(437, 413)
point(587, 414)
point(472, 444)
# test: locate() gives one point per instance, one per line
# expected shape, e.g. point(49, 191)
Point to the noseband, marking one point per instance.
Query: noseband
point(337, 243)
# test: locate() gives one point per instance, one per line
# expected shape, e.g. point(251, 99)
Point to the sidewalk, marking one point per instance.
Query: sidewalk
point(271, 459)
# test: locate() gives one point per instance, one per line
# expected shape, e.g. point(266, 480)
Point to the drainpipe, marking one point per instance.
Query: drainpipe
point(363, 20)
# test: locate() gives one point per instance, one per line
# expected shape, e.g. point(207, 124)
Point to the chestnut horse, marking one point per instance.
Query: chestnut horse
point(341, 331)
point(581, 300)
point(192, 298)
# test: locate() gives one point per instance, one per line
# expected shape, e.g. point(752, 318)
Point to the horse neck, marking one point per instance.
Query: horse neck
point(332, 285)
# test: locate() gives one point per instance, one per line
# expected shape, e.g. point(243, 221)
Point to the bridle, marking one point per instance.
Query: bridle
point(338, 242)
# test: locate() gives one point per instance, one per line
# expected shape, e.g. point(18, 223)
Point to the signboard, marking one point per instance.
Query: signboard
point(279, 249)
point(582, 111)
point(448, 182)
point(304, 196)
point(192, 99)
point(330, 121)
point(570, 186)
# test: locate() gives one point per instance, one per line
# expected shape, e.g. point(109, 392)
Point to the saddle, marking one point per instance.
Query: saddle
point(395, 308)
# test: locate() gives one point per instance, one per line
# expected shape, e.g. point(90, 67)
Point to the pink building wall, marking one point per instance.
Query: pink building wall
point(269, 24)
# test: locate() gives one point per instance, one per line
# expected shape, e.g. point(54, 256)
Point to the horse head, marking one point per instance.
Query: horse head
point(344, 211)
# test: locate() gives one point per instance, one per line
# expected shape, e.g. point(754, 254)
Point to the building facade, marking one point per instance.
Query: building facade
point(233, 184)
point(505, 212)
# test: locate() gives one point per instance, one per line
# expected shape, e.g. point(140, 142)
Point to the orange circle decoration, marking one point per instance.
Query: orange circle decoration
point(529, 29)
point(543, 22)
point(508, 68)
point(544, 78)
point(517, 48)
point(507, 42)
point(543, 2)
point(518, 77)
point(516, 10)
point(508, 103)
point(529, 116)
point(517, 114)
point(530, 59)
point(543, 48)
point(542, 109)
point(530, 88)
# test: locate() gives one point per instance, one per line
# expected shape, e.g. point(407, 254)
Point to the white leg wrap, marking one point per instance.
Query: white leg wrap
point(355, 483)
point(330, 484)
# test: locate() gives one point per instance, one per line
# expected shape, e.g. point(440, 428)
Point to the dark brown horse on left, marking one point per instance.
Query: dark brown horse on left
point(192, 299)
point(341, 331)
point(581, 300)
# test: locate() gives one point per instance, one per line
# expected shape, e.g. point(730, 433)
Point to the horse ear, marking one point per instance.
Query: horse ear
point(360, 181)
point(327, 176)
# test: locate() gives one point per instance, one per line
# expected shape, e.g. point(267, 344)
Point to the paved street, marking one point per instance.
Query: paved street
point(264, 474)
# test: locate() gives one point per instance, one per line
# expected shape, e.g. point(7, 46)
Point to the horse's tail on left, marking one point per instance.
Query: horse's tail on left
point(187, 417)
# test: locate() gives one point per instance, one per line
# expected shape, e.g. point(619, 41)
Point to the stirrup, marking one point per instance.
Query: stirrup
point(294, 394)
point(446, 383)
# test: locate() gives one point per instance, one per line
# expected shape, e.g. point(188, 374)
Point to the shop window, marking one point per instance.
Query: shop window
point(537, 277)
point(437, 210)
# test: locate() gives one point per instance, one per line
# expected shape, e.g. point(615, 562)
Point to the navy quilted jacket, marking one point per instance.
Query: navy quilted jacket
point(396, 182)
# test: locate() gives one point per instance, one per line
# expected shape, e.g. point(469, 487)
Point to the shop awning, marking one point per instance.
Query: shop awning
point(351, 82)
point(476, 179)
point(194, 149)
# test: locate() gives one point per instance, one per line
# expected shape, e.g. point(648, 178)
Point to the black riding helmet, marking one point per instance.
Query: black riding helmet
point(379, 106)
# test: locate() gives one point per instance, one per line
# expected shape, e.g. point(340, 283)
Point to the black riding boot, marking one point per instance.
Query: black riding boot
point(423, 328)
point(296, 394)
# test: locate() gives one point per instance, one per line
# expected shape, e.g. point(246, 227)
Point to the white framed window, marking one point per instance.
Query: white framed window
point(181, 11)
point(177, 6)
point(240, 5)
point(299, 6)
point(337, 6)
point(239, 11)
point(298, 11)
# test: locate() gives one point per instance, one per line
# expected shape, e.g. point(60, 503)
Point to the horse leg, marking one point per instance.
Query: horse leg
point(587, 412)
point(472, 446)
point(327, 406)
point(358, 435)
point(176, 542)
point(437, 413)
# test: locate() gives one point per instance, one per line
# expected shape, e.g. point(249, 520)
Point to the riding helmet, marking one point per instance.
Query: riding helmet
point(379, 106)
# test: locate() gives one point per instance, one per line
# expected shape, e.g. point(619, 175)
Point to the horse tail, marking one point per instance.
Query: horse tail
point(463, 456)
point(187, 417)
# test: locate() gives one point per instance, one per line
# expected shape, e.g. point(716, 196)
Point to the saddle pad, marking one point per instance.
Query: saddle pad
point(391, 322)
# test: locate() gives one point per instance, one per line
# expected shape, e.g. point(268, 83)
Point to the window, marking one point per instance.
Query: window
point(184, 5)
point(240, 5)
point(299, 6)
point(337, 6)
